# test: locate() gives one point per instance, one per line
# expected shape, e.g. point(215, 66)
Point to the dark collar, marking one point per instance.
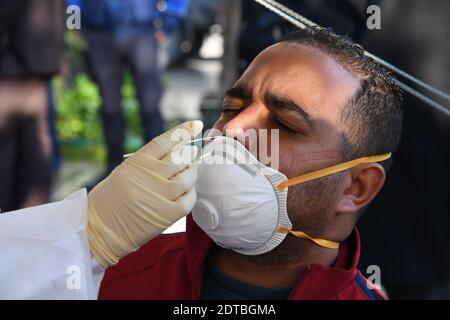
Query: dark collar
point(317, 282)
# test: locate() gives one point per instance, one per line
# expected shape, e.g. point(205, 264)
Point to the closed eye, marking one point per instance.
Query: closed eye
point(283, 126)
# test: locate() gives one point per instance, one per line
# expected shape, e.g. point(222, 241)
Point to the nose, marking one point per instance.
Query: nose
point(245, 126)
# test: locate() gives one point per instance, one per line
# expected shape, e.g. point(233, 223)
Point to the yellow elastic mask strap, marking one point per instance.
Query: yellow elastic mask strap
point(331, 170)
point(321, 242)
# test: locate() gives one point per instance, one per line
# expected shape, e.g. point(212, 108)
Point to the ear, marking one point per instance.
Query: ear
point(360, 188)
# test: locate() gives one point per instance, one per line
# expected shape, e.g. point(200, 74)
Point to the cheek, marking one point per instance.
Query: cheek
point(312, 205)
point(294, 201)
point(300, 211)
point(288, 159)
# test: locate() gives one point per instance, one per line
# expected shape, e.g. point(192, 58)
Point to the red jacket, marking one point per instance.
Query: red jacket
point(171, 267)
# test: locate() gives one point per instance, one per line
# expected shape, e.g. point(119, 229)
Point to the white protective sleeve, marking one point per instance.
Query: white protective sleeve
point(44, 252)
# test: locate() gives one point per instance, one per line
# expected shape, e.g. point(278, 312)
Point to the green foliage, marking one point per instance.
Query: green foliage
point(79, 122)
point(78, 110)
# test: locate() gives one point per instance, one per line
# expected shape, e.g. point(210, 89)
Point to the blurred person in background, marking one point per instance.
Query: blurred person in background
point(31, 52)
point(198, 19)
point(125, 33)
point(177, 21)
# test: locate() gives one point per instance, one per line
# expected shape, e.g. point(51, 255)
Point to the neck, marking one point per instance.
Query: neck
point(247, 270)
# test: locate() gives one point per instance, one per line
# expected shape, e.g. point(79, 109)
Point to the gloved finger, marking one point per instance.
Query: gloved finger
point(179, 184)
point(177, 209)
point(165, 143)
point(183, 156)
point(187, 201)
point(168, 166)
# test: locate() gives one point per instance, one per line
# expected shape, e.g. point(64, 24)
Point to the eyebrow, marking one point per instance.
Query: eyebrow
point(288, 105)
point(239, 92)
point(242, 92)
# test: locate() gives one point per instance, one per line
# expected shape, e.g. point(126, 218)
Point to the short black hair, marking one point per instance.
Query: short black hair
point(372, 119)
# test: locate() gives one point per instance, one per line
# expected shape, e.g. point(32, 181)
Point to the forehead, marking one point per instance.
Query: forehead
point(304, 74)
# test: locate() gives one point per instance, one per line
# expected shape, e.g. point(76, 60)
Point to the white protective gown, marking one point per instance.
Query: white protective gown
point(44, 252)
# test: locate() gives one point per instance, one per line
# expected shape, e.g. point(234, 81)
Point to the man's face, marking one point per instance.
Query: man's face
point(300, 91)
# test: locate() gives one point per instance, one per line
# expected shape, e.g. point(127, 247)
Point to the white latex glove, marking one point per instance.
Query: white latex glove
point(143, 196)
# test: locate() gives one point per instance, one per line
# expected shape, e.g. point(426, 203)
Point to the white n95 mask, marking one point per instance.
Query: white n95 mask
point(242, 204)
